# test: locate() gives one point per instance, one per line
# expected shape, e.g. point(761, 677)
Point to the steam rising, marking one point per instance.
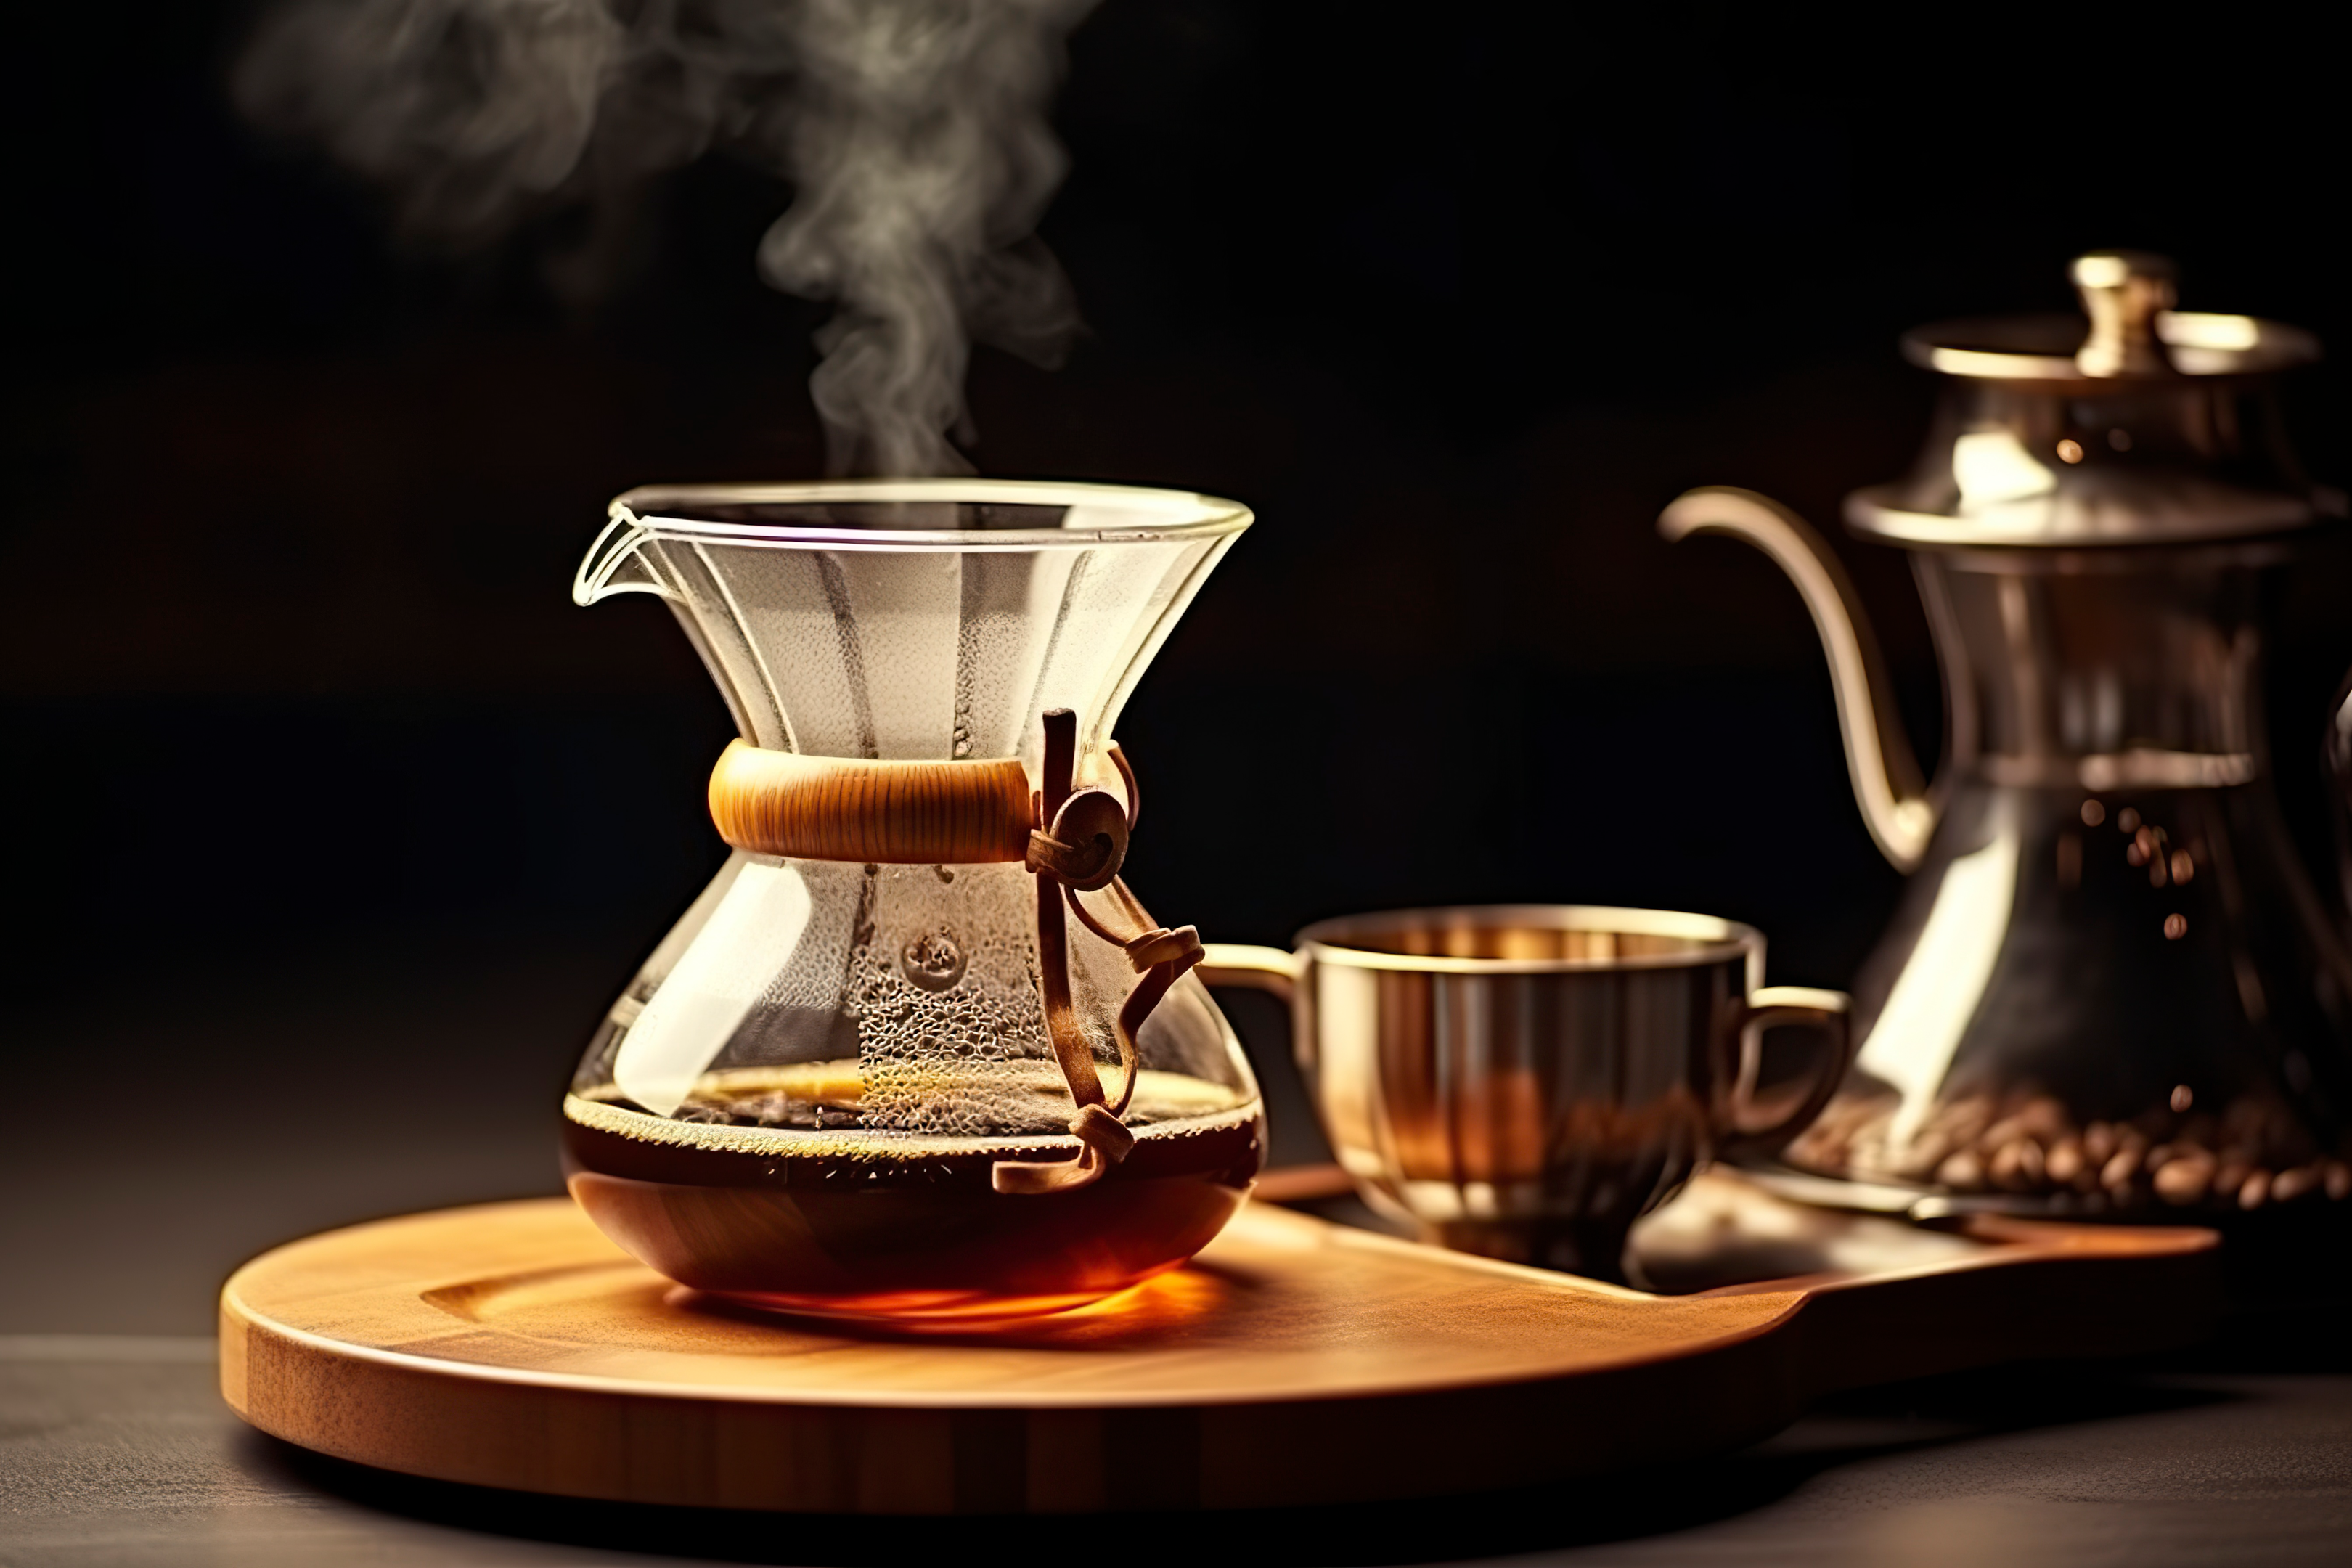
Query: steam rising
point(913, 133)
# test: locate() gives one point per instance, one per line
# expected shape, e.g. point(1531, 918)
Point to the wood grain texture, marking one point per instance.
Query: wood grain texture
point(894, 813)
point(1292, 1362)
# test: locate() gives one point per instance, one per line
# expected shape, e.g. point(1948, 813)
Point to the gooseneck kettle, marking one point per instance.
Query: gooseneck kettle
point(2108, 987)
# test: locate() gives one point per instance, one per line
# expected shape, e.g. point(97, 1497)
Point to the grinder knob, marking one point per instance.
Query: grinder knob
point(2122, 292)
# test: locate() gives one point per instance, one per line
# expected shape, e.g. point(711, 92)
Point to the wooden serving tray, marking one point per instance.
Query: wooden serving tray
point(1294, 1362)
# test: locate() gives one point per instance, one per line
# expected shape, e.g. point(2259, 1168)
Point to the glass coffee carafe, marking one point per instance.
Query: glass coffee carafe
point(915, 1054)
point(2109, 988)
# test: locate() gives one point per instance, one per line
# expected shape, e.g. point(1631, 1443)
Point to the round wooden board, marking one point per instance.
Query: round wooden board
point(1294, 1362)
point(513, 1345)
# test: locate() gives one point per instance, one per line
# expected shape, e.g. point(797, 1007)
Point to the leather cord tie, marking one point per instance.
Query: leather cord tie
point(1071, 840)
point(1079, 848)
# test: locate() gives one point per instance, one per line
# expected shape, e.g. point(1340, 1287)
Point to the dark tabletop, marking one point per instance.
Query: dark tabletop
point(162, 1131)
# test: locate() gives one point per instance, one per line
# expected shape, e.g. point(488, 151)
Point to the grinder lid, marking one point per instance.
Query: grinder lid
point(2131, 424)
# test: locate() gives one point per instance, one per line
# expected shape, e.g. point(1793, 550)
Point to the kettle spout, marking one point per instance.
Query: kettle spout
point(1887, 780)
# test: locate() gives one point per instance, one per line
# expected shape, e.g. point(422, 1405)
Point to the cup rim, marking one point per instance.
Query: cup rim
point(1187, 514)
point(1328, 941)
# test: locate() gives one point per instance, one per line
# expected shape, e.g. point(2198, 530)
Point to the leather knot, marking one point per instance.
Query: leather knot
point(1103, 1142)
point(1181, 947)
point(1104, 1134)
point(1085, 844)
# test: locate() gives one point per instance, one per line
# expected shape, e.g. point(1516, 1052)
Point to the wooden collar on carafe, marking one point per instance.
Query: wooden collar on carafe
point(1072, 840)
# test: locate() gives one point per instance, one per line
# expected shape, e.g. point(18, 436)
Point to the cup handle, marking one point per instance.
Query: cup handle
point(1271, 970)
point(1773, 1007)
point(1267, 969)
point(1249, 968)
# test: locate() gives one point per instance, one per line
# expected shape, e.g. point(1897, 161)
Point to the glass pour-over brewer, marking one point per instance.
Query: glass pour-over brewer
point(2110, 987)
point(917, 1053)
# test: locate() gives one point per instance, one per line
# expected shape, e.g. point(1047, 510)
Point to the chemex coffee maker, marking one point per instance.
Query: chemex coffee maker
point(917, 1055)
point(2110, 987)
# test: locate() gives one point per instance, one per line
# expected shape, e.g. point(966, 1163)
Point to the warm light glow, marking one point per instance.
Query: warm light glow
point(1993, 467)
point(1936, 997)
point(751, 938)
point(2198, 330)
point(2101, 271)
point(1999, 366)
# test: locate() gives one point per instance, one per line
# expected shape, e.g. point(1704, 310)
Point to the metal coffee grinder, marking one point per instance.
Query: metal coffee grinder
point(2109, 988)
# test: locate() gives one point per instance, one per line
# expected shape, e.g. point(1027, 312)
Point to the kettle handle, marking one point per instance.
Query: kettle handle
point(1887, 780)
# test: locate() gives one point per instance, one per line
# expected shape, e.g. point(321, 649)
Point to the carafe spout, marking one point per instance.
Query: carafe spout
point(612, 565)
point(1887, 784)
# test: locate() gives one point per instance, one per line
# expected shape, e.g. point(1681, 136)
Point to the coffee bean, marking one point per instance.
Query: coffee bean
point(1927, 1153)
point(2044, 1118)
point(2066, 1162)
point(1965, 1117)
point(2017, 1165)
point(1999, 1135)
point(2294, 1183)
point(1820, 1151)
point(2245, 1152)
point(2183, 1181)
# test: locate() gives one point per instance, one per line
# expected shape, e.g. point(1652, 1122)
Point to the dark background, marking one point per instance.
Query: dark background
point(336, 826)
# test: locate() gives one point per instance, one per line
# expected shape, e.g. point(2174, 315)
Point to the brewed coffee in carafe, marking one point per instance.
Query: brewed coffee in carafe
point(917, 1053)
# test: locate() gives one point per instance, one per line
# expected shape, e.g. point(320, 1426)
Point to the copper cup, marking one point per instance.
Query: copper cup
point(1526, 1080)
